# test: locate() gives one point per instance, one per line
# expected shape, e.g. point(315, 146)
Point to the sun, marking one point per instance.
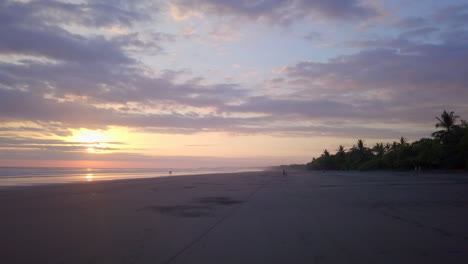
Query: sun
point(99, 141)
point(91, 150)
point(93, 141)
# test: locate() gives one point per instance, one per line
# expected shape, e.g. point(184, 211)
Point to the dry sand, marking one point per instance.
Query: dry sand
point(254, 217)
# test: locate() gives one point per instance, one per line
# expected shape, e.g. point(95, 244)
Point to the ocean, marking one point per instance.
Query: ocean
point(25, 176)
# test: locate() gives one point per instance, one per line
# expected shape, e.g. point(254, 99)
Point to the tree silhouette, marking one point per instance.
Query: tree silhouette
point(341, 150)
point(360, 146)
point(447, 122)
point(447, 150)
point(379, 149)
point(403, 141)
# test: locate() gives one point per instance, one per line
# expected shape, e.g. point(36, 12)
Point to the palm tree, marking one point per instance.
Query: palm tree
point(361, 150)
point(379, 149)
point(387, 147)
point(394, 146)
point(340, 157)
point(326, 154)
point(403, 141)
point(447, 122)
point(341, 150)
point(360, 146)
point(327, 160)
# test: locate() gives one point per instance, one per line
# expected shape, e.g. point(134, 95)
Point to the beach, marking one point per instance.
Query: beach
point(248, 217)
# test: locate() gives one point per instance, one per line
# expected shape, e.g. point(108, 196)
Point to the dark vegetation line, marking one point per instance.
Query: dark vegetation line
point(447, 149)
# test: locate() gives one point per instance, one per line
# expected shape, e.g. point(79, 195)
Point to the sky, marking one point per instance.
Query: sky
point(206, 83)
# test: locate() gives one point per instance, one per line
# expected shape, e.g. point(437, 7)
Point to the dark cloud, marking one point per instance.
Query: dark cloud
point(58, 44)
point(36, 29)
point(454, 16)
point(92, 14)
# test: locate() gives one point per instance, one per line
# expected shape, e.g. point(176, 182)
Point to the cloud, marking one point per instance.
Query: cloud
point(117, 84)
point(44, 129)
point(397, 67)
point(96, 80)
point(420, 33)
point(313, 36)
point(89, 14)
point(454, 15)
point(411, 22)
point(375, 84)
point(280, 116)
point(225, 32)
point(44, 29)
point(17, 105)
point(17, 144)
point(60, 45)
point(276, 11)
point(179, 13)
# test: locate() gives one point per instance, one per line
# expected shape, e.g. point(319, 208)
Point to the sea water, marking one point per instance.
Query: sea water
point(26, 176)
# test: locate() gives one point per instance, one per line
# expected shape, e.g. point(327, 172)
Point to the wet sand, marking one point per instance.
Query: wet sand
point(252, 217)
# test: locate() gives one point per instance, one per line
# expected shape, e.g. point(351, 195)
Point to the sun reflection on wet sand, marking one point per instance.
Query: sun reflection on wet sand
point(89, 177)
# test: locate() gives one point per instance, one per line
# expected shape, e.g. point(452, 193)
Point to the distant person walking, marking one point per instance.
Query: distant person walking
point(285, 173)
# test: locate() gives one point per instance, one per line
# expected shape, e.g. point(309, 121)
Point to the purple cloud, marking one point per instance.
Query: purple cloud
point(401, 68)
point(95, 82)
point(282, 11)
point(454, 16)
point(30, 29)
point(412, 22)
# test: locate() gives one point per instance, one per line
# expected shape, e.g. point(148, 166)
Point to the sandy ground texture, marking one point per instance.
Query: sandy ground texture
point(254, 217)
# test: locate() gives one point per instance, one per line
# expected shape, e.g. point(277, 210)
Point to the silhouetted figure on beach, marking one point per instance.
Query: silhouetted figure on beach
point(170, 172)
point(285, 173)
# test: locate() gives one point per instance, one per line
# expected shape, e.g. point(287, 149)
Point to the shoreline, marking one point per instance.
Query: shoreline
point(111, 181)
point(86, 175)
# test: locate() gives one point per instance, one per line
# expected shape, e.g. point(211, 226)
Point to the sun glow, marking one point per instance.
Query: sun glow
point(93, 141)
point(90, 136)
point(91, 150)
point(98, 143)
